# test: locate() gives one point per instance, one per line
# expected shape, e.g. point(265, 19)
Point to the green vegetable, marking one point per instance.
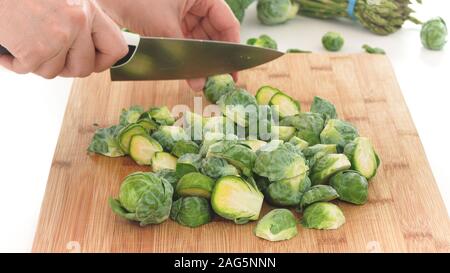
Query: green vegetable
point(188, 163)
point(287, 192)
point(147, 122)
point(236, 199)
point(239, 106)
point(338, 132)
point(332, 41)
point(373, 50)
point(324, 107)
point(162, 115)
point(193, 125)
point(217, 86)
point(237, 154)
point(195, 184)
point(219, 124)
point(351, 186)
point(296, 50)
point(131, 115)
point(254, 144)
point(162, 160)
point(263, 41)
point(434, 34)
point(314, 153)
point(265, 94)
point(144, 198)
point(284, 133)
point(142, 149)
point(169, 175)
point(105, 142)
point(191, 211)
point(238, 7)
point(318, 193)
point(363, 157)
point(277, 225)
point(211, 138)
point(299, 143)
point(327, 166)
point(308, 125)
point(285, 106)
point(215, 167)
point(127, 133)
point(168, 136)
point(183, 147)
point(323, 215)
point(273, 12)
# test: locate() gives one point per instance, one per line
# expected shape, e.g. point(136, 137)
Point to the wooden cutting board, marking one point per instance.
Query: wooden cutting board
point(405, 211)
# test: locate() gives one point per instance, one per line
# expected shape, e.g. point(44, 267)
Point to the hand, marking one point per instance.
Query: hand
point(70, 38)
point(197, 19)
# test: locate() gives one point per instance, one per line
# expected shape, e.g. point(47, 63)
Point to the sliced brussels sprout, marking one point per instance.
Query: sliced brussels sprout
point(284, 133)
point(299, 143)
point(195, 184)
point(338, 132)
point(324, 107)
point(273, 12)
point(162, 115)
point(263, 41)
point(105, 142)
point(183, 147)
point(127, 133)
point(318, 193)
point(167, 136)
point(162, 160)
point(351, 186)
point(239, 106)
point(323, 215)
point(264, 124)
point(285, 106)
point(144, 198)
point(235, 199)
point(254, 144)
point(217, 86)
point(287, 192)
point(215, 167)
point(237, 154)
point(308, 125)
point(131, 115)
point(363, 157)
point(191, 211)
point(265, 94)
point(188, 163)
point(327, 166)
point(142, 149)
point(314, 153)
point(211, 138)
point(277, 225)
point(149, 124)
point(169, 175)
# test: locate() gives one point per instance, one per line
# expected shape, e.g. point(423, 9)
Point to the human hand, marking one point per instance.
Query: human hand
point(71, 38)
point(197, 19)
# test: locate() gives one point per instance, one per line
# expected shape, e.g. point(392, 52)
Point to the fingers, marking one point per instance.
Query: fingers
point(196, 84)
point(53, 67)
point(221, 20)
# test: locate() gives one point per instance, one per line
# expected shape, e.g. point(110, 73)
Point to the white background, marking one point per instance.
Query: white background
point(32, 109)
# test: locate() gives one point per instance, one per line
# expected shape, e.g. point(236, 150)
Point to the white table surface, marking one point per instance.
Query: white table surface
point(32, 109)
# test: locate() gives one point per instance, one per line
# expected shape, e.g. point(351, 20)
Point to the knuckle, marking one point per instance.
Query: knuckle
point(78, 17)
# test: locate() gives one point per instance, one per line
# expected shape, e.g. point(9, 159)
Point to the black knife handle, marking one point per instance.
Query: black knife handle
point(4, 51)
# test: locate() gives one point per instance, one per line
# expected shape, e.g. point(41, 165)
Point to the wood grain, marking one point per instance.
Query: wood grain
point(405, 212)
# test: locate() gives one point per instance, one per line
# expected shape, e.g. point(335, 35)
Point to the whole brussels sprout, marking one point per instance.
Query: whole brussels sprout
point(217, 86)
point(338, 132)
point(351, 186)
point(324, 107)
point(131, 115)
point(215, 167)
point(236, 199)
point(323, 215)
point(191, 211)
point(169, 175)
point(318, 193)
point(219, 124)
point(308, 125)
point(193, 125)
point(287, 192)
point(212, 138)
point(239, 106)
point(143, 197)
point(183, 147)
point(263, 41)
point(332, 41)
point(167, 136)
point(162, 115)
point(273, 12)
point(327, 166)
point(188, 163)
point(363, 157)
point(237, 154)
point(277, 225)
point(314, 153)
point(195, 184)
point(105, 142)
point(434, 34)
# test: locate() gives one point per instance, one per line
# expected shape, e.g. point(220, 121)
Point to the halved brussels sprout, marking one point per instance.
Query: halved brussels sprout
point(148, 123)
point(318, 193)
point(323, 215)
point(144, 198)
point(254, 144)
point(162, 161)
point(299, 143)
point(195, 184)
point(287, 192)
point(215, 167)
point(191, 211)
point(363, 157)
point(237, 154)
point(239, 106)
point(314, 153)
point(324, 107)
point(188, 163)
point(162, 115)
point(235, 199)
point(167, 136)
point(217, 86)
point(308, 125)
point(327, 166)
point(351, 186)
point(183, 147)
point(127, 133)
point(265, 94)
point(284, 133)
point(169, 175)
point(131, 115)
point(285, 106)
point(142, 149)
point(338, 132)
point(277, 225)
point(105, 142)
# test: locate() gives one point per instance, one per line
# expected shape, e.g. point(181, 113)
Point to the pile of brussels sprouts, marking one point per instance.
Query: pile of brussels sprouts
point(215, 167)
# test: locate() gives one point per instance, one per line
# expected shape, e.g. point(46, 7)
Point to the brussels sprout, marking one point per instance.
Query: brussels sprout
point(188, 163)
point(211, 138)
point(191, 211)
point(318, 193)
point(237, 154)
point(351, 186)
point(195, 184)
point(131, 115)
point(363, 157)
point(332, 41)
point(263, 41)
point(169, 175)
point(105, 142)
point(338, 132)
point(314, 153)
point(220, 124)
point(235, 199)
point(217, 86)
point(162, 115)
point(273, 12)
point(328, 165)
point(434, 34)
point(324, 107)
point(167, 136)
point(162, 160)
point(239, 106)
point(284, 105)
point(373, 50)
point(265, 94)
point(287, 192)
point(255, 144)
point(308, 125)
point(277, 225)
point(147, 122)
point(323, 215)
point(183, 147)
point(238, 7)
point(142, 149)
point(193, 125)
point(284, 133)
point(278, 161)
point(215, 167)
point(127, 133)
point(299, 143)
point(144, 198)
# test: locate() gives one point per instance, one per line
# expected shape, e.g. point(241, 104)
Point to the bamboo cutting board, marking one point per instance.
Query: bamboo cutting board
point(405, 211)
